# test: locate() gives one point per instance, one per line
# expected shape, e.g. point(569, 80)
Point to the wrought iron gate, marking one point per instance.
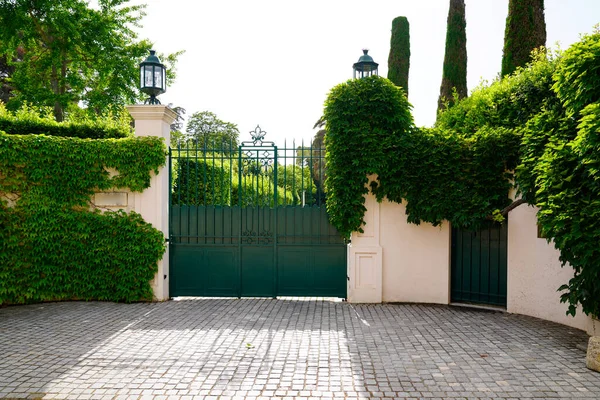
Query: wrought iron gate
point(250, 221)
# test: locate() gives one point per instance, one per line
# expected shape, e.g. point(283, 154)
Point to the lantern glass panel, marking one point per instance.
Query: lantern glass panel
point(148, 76)
point(158, 79)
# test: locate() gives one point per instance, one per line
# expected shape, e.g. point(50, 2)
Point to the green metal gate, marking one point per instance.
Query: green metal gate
point(478, 265)
point(250, 221)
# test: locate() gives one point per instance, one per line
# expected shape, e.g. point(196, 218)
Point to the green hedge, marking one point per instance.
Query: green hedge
point(52, 247)
point(28, 121)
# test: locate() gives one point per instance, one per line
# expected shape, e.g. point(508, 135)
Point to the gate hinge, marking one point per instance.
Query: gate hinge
point(167, 240)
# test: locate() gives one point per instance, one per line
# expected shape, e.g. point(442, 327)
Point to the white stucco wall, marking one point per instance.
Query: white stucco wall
point(534, 273)
point(416, 258)
point(394, 261)
point(153, 203)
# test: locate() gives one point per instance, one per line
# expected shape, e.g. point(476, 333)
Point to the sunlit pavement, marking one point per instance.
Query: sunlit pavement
point(286, 348)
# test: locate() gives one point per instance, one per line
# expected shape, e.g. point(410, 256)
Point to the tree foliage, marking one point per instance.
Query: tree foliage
point(454, 76)
point(65, 53)
point(525, 31)
point(205, 129)
point(318, 168)
point(399, 58)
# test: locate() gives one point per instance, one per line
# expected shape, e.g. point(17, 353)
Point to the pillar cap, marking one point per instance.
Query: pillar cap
point(150, 112)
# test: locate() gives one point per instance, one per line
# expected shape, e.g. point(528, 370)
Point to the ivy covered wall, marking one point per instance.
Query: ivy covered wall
point(53, 245)
point(536, 130)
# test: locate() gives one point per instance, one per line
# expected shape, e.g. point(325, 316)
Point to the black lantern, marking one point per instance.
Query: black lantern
point(152, 78)
point(365, 66)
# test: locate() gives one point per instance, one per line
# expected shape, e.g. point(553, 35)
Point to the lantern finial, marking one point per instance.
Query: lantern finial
point(365, 66)
point(152, 78)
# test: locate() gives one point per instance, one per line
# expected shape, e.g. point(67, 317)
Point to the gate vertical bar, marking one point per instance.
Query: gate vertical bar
point(170, 240)
point(240, 194)
point(179, 184)
point(195, 203)
point(275, 224)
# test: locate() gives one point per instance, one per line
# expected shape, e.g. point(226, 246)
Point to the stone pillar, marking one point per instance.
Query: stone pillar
point(153, 203)
point(365, 263)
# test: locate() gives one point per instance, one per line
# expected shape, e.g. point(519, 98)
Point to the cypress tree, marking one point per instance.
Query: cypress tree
point(399, 58)
point(525, 31)
point(454, 75)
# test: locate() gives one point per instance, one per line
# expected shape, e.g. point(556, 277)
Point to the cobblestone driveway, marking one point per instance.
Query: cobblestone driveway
point(229, 348)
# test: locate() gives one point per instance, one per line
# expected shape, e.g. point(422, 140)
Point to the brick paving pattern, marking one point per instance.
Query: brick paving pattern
point(286, 349)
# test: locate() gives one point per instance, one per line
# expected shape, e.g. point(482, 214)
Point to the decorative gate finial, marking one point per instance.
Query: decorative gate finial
point(258, 136)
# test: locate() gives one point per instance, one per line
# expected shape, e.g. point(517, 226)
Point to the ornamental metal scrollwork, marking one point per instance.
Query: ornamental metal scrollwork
point(265, 237)
point(258, 138)
point(250, 237)
point(256, 160)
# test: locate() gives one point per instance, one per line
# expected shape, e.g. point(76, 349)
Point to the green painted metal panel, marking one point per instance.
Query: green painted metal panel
point(258, 271)
point(312, 271)
point(479, 265)
point(199, 271)
point(329, 263)
point(476, 295)
point(185, 279)
point(485, 266)
point(220, 271)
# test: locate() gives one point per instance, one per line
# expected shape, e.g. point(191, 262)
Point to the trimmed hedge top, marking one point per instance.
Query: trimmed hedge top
point(28, 121)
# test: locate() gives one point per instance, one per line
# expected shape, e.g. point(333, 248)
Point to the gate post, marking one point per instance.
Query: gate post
point(153, 203)
point(365, 262)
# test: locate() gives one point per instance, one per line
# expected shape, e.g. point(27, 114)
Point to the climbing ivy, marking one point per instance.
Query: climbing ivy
point(53, 245)
point(560, 172)
point(439, 173)
point(542, 122)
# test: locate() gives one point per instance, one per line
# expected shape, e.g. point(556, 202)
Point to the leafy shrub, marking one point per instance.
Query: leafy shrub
point(509, 102)
point(577, 78)
point(28, 121)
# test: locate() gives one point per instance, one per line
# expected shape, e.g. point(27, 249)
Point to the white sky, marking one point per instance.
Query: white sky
point(273, 62)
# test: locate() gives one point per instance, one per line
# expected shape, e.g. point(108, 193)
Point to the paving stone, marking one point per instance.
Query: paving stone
point(293, 348)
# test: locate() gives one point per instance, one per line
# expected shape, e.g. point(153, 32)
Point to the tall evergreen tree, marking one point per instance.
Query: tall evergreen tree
point(525, 31)
point(454, 76)
point(399, 58)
